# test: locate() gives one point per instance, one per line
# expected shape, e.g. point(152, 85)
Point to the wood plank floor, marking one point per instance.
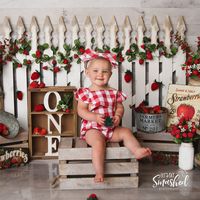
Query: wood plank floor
point(32, 182)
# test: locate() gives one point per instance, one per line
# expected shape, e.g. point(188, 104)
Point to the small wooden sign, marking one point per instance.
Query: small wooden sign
point(13, 156)
point(183, 100)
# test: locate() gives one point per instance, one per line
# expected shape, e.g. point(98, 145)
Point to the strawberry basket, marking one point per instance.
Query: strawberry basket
point(151, 119)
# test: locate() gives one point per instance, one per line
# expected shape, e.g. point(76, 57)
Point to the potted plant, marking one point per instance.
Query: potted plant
point(184, 133)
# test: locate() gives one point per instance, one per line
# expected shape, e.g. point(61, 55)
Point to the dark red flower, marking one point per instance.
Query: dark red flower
point(38, 54)
point(56, 69)
point(65, 61)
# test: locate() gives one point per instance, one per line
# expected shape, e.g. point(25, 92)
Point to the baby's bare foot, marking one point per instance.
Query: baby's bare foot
point(142, 152)
point(98, 178)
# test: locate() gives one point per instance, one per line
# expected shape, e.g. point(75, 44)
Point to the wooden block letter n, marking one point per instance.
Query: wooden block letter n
point(52, 140)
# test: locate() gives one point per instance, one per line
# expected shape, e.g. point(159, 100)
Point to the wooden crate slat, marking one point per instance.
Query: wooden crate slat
point(162, 136)
point(168, 147)
point(88, 183)
point(21, 137)
point(113, 144)
point(87, 168)
point(66, 143)
point(79, 143)
point(111, 153)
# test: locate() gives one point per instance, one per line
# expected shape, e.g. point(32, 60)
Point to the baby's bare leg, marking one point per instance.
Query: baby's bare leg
point(97, 141)
point(125, 135)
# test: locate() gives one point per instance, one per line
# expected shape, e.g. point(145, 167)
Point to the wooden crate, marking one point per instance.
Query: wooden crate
point(76, 170)
point(161, 141)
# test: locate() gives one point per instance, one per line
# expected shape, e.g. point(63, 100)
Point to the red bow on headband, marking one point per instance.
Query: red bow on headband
point(91, 54)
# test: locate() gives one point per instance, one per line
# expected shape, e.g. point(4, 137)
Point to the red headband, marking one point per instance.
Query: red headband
point(91, 54)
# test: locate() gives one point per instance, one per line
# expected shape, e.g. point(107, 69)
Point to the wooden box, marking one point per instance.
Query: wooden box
point(57, 123)
point(76, 170)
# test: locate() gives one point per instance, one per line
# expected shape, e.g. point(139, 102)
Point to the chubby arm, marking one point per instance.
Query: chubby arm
point(118, 114)
point(84, 113)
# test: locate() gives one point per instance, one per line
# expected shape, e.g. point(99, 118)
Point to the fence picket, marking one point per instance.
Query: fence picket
point(127, 87)
point(153, 70)
point(21, 82)
point(74, 76)
point(140, 69)
point(8, 75)
point(48, 76)
point(62, 75)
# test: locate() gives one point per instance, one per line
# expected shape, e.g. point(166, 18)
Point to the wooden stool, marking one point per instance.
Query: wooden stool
point(76, 170)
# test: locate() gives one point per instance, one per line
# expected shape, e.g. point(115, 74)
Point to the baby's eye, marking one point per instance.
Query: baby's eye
point(95, 70)
point(105, 72)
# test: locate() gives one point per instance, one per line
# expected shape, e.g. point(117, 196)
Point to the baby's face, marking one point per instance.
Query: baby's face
point(99, 72)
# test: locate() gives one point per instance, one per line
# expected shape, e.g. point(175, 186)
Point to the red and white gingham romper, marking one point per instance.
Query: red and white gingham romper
point(102, 102)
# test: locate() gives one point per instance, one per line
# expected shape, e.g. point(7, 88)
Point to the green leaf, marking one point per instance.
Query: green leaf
point(45, 46)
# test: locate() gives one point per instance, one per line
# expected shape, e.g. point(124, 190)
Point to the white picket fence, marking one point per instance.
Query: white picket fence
point(167, 70)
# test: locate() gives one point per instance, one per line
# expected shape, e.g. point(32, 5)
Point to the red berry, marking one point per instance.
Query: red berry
point(35, 75)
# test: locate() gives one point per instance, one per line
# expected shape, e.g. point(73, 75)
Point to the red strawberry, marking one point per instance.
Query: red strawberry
point(128, 76)
point(39, 108)
point(155, 85)
point(156, 109)
point(43, 131)
point(19, 95)
point(149, 56)
point(186, 111)
point(35, 75)
point(41, 85)
point(36, 130)
point(82, 50)
point(34, 84)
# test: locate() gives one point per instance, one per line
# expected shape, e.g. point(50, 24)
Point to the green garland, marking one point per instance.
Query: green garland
point(10, 48)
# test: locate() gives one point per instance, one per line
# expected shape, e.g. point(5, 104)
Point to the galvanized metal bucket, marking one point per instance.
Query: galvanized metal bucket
point(151, 123)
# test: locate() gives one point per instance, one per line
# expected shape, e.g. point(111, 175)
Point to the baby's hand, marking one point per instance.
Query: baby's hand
point(100, 119)
point(116, 120)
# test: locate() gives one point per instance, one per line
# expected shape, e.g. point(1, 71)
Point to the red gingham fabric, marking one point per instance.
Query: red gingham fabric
point(102, 102)
point(90, 54)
